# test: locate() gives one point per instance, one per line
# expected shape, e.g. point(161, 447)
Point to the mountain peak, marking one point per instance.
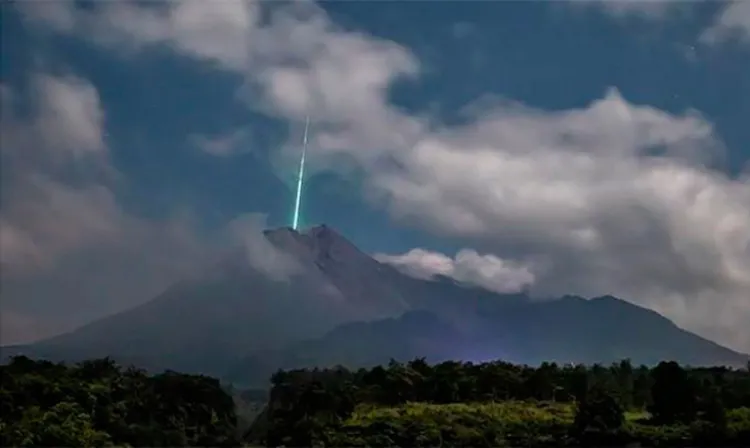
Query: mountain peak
point(322, 230)
point(321, 242)
point(319, 232)
point(329, 244)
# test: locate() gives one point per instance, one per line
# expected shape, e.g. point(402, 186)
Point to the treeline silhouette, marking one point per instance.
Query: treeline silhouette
point(97, 403)
point(496, 404)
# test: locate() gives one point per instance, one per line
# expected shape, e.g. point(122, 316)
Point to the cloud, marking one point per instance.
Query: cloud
point(297, 63)
point(69, 119)
point(732, 22)
point(46, 218)
point(468, 266)
point(18, 328)
point(650, 9)
point(70, 251)
point(263, 256)
point(42, 216)
point(219, 32)
point(610, 198)
point(223, 145)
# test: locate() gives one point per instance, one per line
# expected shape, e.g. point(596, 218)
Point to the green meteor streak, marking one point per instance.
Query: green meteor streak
point(300, 177)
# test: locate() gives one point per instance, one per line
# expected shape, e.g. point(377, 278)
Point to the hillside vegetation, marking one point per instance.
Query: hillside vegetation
point(97, 403)
point(500, 404)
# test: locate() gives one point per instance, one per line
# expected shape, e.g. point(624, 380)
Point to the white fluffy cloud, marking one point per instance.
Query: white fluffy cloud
point(468, 266)
point(611, 198)
point(732, 22)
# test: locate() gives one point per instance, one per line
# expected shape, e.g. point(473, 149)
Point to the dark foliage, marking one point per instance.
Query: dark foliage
point(674, 394)
point(97, 403)
point(465, 404)
point(599, 411)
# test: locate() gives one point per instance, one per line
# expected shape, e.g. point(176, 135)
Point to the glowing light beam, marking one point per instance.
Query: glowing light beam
point(300, 177)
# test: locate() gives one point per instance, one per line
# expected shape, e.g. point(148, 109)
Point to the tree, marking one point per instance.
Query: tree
point(673, 394)
point(599, 412)
point(66, 424)
point(712, 410)
point(95, 403)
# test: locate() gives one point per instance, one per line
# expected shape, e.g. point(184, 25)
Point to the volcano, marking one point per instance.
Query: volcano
point(337, 305)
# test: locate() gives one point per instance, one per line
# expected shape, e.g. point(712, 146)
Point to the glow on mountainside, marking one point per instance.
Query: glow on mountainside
point(300, 177)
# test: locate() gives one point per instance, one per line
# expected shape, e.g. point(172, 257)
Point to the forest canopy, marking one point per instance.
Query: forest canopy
point(98, 403)
point(501, 404)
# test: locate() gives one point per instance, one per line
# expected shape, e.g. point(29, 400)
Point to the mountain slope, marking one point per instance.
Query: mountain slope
point(340, 306)
point(358, 344)
point(235, 308)
point(604, 330)
point(568, 330)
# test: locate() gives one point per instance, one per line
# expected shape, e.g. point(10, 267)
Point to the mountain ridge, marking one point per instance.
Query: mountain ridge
point(340, 301)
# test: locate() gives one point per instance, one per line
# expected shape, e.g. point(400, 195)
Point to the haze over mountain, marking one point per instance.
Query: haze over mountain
point(337, 305)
